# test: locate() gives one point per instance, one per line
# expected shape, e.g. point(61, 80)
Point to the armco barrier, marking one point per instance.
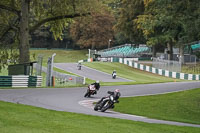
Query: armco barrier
point(156, 70)
point(20, 81)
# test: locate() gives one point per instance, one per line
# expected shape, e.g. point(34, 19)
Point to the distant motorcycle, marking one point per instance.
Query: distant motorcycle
point(114, 75)
point(106, 103)
point(90, 91)
point(79, 66)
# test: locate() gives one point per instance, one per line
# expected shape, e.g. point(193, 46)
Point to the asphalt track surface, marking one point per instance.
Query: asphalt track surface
point(89, 72)
point(72, 100)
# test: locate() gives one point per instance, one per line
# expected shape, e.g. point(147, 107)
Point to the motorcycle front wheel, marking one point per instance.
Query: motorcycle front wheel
point(96, 107)
point(87, 94)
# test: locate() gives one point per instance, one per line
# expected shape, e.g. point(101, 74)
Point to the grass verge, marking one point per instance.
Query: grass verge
point(138, 76)
point(180, 106)
point(16, 118)
point(62, 56)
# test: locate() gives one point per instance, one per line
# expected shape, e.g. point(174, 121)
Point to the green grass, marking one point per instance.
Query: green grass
point(180, 106)
point(138, 76)
point(62, 56)
point(191, 68)
point(16, 118)
point(4, 72)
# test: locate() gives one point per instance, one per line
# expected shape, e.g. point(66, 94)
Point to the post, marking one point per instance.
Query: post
point(50, 70)
point(109, 41)
point(52, 63)
point(48, 76)
point(89, 54)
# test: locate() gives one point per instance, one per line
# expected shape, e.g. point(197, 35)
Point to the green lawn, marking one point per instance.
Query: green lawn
point(138, 76)
point(4, 72)
point(62, 56)
point(16, 118)
point(180, 106)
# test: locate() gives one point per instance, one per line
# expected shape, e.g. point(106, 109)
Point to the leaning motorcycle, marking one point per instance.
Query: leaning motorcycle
point(106, 103)
point(90, 91)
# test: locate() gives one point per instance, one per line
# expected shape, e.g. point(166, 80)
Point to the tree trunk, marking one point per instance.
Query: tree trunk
point(154, 51)
point(24, 33)
point(170, 51)
point(181, 57)
point(93, 46)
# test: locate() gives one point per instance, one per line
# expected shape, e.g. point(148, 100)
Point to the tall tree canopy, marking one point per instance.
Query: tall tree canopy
point(170, 22)
point(19, 18)
point(93, 32)
point(129, 10)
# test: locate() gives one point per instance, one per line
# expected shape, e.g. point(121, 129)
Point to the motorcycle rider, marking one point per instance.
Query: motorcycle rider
point(92, 89)
point(116, 94)
point(114, 74)
point(96, 85)
point(79, 66)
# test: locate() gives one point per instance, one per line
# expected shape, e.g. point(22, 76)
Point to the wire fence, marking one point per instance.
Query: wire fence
point(169, 65)
point(38, 66)
point(62, 79)
point(65, 79)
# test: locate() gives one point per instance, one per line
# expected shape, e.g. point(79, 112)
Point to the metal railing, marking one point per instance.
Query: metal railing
point(65, 79)
point(173, 66)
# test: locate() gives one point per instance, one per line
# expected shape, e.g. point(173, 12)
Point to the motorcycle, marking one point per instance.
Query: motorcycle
point(79, 66)
point(114, 75)
point(106, 103)
point(90, 91)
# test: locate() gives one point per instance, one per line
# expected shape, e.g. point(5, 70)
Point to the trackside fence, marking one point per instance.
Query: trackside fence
point(158, 71)
point(173, 66)
point(65, 79)
point(20, 81)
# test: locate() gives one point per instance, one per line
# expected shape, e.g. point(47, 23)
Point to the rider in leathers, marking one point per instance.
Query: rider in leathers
point(116, 94)
point(96, 85)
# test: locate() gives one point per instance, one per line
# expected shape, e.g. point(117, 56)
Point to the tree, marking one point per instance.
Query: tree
point(169, 22)
point(94, 32)
point(22, 17)
point(129, 10)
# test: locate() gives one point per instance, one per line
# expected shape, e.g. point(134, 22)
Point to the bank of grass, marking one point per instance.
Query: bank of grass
point(16, 118)
point(138, 76)
point(180, 106)
point(62, 56)
point(191, 68)
point(4, 71)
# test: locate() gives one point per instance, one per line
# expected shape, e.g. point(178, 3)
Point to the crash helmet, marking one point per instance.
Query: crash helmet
point(97, 81)
point(117, 90)
point(117, 94)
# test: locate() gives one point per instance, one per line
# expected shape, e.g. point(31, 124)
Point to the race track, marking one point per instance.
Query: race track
point(89, 72)
point(72, 100)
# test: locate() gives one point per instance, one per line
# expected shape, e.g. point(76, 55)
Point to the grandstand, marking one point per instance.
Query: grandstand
point(192, 47)
point(196, 46)
point(127, 50)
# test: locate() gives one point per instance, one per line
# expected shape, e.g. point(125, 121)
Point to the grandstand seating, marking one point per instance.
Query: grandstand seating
point(123, 51)
point(195, 46)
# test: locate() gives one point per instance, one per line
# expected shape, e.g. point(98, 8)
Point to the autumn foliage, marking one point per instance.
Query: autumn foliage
point(93, 32)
